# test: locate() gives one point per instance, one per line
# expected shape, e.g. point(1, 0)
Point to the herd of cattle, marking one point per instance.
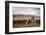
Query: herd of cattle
point(21, 21)
point(26, 21)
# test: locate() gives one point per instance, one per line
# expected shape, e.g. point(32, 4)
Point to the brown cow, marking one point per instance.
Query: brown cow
point(19, 21)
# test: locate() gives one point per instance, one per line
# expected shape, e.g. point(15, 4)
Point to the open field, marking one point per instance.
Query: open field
point(20, 21)
point(26, 25)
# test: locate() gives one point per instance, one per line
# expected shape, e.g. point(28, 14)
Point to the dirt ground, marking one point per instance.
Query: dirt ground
point(27, 25)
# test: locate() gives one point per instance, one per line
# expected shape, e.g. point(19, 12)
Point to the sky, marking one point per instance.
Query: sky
point(26, 11)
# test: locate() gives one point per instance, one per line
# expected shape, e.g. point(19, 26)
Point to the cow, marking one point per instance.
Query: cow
point(19, 21)
point(24, 21)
